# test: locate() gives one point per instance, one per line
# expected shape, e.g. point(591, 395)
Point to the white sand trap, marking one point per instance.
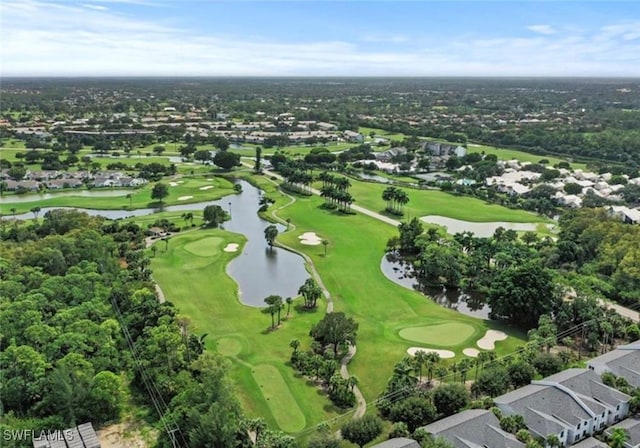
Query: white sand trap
point(444, 354)
point(310, 239)
point(180, 182)
point(489, 339)
point(184, 198)
point(472, 352)
point(208, 187)
point(231, 247)
point(173, 184)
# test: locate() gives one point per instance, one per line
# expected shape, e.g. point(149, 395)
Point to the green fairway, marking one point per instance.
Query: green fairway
point(282, 404)
point(183, 191)
point(206, 247)
point(443, 335)
point(351, 272)
point(510, 154)
point(192, 275)
point(435, 202)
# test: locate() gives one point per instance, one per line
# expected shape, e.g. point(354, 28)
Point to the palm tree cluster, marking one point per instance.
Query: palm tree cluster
point(335, 191)
point(275, 304)
point(325, 368)
point(297, 177)
point(311, 292)
point(396, 199)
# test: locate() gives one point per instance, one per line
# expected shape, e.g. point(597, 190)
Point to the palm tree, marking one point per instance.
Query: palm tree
point(270, 234)
point(402, 198)
point(420, 359)
point(13, 211)
point(432, 359)
point(618, 438)
point(464, 366)
point(352, 382)
point(294, 344)
point(154, 249)
point(128, 196)
point(35, 211)
point(188, 216)
point(289, 300)
point(275, 306)
point(166, 243)
point(325, 243)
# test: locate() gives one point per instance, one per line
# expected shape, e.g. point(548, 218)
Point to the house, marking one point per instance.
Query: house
point(63, 183)
point(326, 126)
point(157, 232)
point(588, 386)
point(632, 426)
point(590, 442)
point(353, 137)
point(624, 361)
point(474, 428)
point(626, 214)
point(398, 442)
point(386, 156)
point(444, 149)
point(81, 436)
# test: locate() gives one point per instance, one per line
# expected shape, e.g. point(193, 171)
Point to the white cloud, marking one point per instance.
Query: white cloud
point(96, 7)
point(542, 29)
point(41, 38)
point(378, 38)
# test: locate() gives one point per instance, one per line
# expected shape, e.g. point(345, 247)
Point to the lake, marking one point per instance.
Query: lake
point(258, 270)
point(80, 192)
point(479, 229)
point(471, 304)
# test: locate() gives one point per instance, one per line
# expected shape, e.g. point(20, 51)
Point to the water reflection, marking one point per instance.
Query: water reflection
point(472, 304)
point(259, 270)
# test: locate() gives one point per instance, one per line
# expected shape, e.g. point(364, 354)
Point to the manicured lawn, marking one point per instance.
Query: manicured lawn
point(351, 272)
point(381, 133)
point(434, 202)
point(300, 149)
point(192, 275)
point(189, 190)
point(444, 335)
point(510, 154)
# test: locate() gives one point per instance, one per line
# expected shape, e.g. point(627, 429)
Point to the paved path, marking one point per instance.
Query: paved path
point(621, 310)
point(361, 403)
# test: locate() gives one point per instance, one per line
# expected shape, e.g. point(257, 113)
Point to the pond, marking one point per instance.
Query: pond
point(374, 177)
point(258, 270)
point(471, 304)
point(172, 159)
point(96, 193)
point(479, 229)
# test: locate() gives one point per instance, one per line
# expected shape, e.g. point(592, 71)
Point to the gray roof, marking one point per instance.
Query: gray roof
point(475, 428)
point(398, 442)
point(623, 361)
point(82, 436)
point(542, 424)
point(632, 425)
point(561, 404)
point(590, 443)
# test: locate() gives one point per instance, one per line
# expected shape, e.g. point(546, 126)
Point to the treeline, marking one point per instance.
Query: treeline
point(596, 254)
point(84, 336)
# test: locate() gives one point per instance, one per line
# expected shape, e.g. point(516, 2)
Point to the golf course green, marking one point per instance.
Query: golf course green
point(444, 335)
point(191, 273)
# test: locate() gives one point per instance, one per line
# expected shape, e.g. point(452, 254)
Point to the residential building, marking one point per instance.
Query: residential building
point(398, 442)
point(624, 361)
point(353, 137)
point(632, 427)
point(474, 428)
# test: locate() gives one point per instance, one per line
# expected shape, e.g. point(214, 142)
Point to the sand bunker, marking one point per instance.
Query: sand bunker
point(184, 198)
point(310, 239)
point(208, 187)
point(231, 247)
point(173, 184)
point(472, 352)
point(444, 354)
point(490, 338)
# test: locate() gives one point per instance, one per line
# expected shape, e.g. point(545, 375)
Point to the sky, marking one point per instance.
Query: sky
point(319, 38)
